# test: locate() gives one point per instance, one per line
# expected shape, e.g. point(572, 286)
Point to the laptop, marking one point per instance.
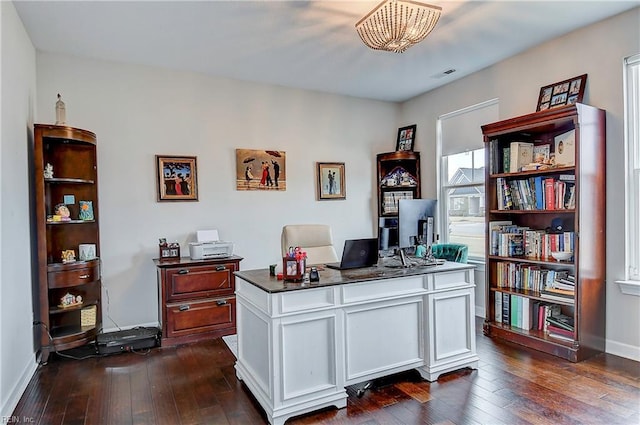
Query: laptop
point(357, 253)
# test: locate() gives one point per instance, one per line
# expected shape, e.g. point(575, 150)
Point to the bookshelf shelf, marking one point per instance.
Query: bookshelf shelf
point(533, 212)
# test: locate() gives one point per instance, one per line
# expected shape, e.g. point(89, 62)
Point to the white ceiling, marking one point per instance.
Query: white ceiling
point(304, 44)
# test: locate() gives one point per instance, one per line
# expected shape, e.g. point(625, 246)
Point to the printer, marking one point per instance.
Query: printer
point(208, 245)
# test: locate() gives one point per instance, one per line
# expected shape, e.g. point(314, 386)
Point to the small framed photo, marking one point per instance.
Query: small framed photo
point(562, 93)
point(406, 136)
point(331, 180)
point(176, 178)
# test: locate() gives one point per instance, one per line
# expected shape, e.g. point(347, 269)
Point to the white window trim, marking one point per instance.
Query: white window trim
point(631, 283)
point(442, 208)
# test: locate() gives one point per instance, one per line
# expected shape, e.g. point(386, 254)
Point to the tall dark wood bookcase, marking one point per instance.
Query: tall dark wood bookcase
point(398, 178)
point(580, 223)
point(71, 153)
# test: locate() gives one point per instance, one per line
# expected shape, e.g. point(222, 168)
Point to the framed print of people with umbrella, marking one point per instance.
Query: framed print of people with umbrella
point(260, 170)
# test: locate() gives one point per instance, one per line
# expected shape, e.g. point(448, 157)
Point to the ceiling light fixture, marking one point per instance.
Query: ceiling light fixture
point(396, 25)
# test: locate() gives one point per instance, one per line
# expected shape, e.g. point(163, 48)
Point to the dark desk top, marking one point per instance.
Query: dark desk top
point(187, 261)
point(330, 277)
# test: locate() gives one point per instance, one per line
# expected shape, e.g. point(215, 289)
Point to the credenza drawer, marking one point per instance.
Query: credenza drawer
point(449, 280)
point(75, 276)
point(200, 316)
point(200, 282)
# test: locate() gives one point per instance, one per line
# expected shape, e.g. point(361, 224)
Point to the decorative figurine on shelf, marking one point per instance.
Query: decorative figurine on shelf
point(68, 256)
point(63, 211)
point(61, 112)
point(86, 210)
point(48, 171)
point(69, 300)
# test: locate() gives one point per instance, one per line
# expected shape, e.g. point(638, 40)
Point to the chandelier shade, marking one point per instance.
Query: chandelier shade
point(396, 25)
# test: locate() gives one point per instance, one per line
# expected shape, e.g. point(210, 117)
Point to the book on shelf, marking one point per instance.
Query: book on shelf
point(559, 333)
point(494, 230)
point(547, 310)
point(541, 153)
point(497, 310)
point(521, 154)
point(569, 299)
point(565, 148)
point(506, 160)
point(562, 321)
point(506, 299)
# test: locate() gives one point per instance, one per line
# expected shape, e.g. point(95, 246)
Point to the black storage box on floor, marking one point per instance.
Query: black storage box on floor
point(128, 340)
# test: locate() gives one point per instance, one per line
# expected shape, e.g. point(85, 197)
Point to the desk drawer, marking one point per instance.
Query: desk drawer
point(200, 282)
point(200, 316)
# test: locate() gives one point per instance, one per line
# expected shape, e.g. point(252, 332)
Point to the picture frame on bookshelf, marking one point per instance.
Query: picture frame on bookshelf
point(562, 93)
point(176, 178)
point(406, 136)
point(331, 181)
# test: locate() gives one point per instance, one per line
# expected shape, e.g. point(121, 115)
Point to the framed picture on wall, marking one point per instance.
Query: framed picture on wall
point(562, 93)
point(406, 136)
point(176, 178)
point(261, 169)
point(331, 180)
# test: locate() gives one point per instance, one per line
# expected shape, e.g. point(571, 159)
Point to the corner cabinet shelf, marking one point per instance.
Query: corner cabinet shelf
point(398, 178)
point(71, 152)
point(553, 208)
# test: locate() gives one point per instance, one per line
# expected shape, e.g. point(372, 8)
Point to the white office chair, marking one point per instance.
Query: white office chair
point(314, 239)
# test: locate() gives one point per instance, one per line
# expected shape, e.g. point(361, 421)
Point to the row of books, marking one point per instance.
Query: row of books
point(509, 240)
point(390, 201)
point(524, 155)
point(549, 283)
point(560, 326)
point(528, 314)
point(536, 193)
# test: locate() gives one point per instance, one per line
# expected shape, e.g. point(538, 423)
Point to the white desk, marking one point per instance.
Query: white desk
point(300, 345)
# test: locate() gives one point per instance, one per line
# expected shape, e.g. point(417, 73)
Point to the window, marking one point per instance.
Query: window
point(461, 176)
point(632, 187)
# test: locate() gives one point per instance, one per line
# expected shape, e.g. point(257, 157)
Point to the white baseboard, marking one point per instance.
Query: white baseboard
point(623, 350)
point(10, 403)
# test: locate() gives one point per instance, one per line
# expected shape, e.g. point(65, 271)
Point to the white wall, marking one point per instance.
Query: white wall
point(597, 50)
point(18, 89)
point(138, 112)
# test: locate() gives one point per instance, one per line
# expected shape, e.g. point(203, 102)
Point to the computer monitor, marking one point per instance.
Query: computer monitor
point(416, 218)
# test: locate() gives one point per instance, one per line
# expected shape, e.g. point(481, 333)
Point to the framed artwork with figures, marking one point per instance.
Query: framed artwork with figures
point(331, 180)
point(176, 178)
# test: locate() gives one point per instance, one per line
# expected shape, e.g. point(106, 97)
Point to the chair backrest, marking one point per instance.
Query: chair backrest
point(451, 251)
point(314, 239)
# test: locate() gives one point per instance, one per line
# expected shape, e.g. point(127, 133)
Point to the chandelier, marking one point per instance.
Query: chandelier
point(396, 25)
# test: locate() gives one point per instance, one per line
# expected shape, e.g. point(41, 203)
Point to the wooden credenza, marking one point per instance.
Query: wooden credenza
point(196, 298)
point(300, 345)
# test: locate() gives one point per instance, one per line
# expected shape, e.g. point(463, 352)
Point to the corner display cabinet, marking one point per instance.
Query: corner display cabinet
point(545, 192)
point(398, 178)
point(66, 216)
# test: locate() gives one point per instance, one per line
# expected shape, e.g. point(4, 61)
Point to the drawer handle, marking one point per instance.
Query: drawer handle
point(219, 268)
point(84, 276)
point(184, 307)
point(221, 302)
point(183, 271)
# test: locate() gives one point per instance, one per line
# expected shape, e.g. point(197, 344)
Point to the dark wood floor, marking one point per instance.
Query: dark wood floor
point(196, 384)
